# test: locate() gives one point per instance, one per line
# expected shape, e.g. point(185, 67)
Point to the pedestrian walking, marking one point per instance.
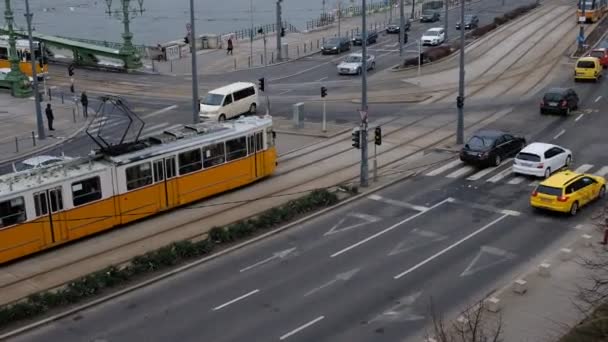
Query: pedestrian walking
point(49, 116)
point(85, 103)
point(230, 47)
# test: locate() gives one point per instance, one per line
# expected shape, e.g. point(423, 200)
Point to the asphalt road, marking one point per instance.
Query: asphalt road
point(367, 271)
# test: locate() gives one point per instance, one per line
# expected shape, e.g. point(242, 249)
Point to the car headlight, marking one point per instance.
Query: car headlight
point(334, 48)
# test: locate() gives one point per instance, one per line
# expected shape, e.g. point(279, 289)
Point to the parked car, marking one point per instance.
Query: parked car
point(490, 147)
point(471, 21)
point(588, 68)
point(335, 45)
point(568, 191)
point(541, 160)
point(38, 162)
point(372, 37)
point(560, 100)
point(353, 64)
point(395, 27)
point(434, 36)
point(429, 17)
point(602, 54)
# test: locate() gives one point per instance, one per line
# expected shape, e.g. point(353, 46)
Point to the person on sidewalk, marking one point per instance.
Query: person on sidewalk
point(230, 47)
point(49, 116)
point(85, 103)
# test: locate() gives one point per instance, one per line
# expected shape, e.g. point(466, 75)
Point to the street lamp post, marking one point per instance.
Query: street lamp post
point(39, 123)
point(279, 30)
point(364, 178)
point(19, 82)
point(401, 28)
point(128, 52)
point(460, 99)
point(195, 100)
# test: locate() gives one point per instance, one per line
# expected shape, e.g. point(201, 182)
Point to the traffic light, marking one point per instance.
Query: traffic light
point(378, 136)
point(261, 83)
point(71, 70)
point(282, 32)
point(323, 91)
point(356, 138)
point(186, 40)
point(459, 101)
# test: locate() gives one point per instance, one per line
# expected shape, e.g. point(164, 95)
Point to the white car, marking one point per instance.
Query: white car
point(353, 64)
point(541, 159)
point(434, 36)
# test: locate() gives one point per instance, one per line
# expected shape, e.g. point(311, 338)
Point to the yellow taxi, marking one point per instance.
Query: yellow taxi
point(568, 191)
point(588, 68)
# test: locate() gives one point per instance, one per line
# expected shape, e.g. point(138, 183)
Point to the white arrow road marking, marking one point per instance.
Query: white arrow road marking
point(401, 312)
point(397, 203)
point(367, 219)
point(501, 254)
point(428, 236)
point(340, 277)
point(297, 330)
point(161, 111)
point(236, 300)
point(277, 255)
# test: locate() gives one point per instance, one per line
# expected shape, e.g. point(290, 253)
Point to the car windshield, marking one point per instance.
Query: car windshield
point(478, 142)
point(553, 97)
point(333, 41)
point(468, 17)
point(213, 100)
point(548, 190)
point(353, 59)
point(528, 157)
point(585, 64)
point(431, 33)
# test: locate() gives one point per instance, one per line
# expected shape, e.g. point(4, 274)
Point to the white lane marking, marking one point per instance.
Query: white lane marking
point(559, 134)
point(346, 276)
point(460, 172)
point(583, 168)
point(516, 180)
point(147, 130)
point(285, 92)
point(322, 79)
point(501, 175)
point(449, 199)
point(300, 328)
point(497, 252)
point(367, 219)
point(598, 98)
point(534, 183)
point(277, 255)
point(397, 203)
point(236, 300)
point(579, 117)
point(603, 171)
point(391, 45)
point(445, 167)
point(159, 112)
point(438, 254)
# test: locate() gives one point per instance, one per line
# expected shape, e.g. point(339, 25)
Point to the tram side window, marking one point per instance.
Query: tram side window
point(214, 155)
point(85, 191)
point(170, 167)
point(56, 199)
point(255, 142)
point(138, 176)
point(12, 212)
point(236, 148)
point(40, 204)
point(190, 161)
point(271, 137)
point(3, 53)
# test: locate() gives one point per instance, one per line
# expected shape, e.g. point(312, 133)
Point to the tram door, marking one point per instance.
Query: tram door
point(256, 146)
point(49, 204)
point(164, 171)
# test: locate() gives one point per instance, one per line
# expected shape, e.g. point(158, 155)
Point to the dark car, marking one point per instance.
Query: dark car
point(490, 147)
point(429, 17)
point(372, 37)
point(395, 27)
point(471, 21)
point(559, 100)
point(335, 45)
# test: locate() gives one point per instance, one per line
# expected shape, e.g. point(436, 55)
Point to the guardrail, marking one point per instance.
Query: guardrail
point(248, 33)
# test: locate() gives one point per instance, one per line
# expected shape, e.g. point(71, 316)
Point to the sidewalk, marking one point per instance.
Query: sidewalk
point(19, 131)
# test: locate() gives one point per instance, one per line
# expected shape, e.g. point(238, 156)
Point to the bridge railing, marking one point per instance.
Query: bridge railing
point(142, 49)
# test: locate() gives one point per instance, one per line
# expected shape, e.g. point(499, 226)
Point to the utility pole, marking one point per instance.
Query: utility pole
point(251, 33)
point(413, 9)
point(339, 15)
point(279, 27)
point(128, 52)
point(401, 27)
point(19, 81)
point(460, 98)
point(363, 131)
point(39, 123)
point(445, 23)
point(195, 100)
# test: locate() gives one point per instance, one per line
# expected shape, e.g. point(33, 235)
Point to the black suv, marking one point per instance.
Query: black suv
point(429, 16)
point(471, 21)
point(372, 37)
point(335, 45)
point(560, 100)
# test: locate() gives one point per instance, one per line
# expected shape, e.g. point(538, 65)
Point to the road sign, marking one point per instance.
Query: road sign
point(189, 28)
point(363, 114)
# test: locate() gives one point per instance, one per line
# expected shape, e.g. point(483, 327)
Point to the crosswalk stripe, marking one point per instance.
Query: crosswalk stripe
point(154, 127)
point(445, 167)
point(603, 171)
point(460, 172)
point(502, 174)
point(486, 171)
point(583, 168)
point(516, 180)
point(534, 183)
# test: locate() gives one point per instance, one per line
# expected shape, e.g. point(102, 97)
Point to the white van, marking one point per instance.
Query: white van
point(229, 101)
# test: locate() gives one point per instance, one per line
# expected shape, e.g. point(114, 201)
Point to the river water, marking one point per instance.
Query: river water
point(162, 20)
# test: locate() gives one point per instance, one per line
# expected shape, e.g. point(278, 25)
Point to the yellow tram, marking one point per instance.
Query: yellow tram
point(25, 56)
point(591, 10)
point(46, 207)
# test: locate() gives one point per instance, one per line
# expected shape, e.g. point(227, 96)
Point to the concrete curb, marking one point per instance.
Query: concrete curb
point(183, 268)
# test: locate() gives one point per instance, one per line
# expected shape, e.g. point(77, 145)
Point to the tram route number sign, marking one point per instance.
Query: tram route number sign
point(173, 52)
point(582, 19)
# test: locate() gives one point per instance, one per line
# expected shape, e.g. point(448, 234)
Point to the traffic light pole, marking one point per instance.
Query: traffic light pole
point(460, 100)
point(364, 178)
point(39, 123)
point(324, 116)
point(375, 162)
point(401, 28)
point(279, 27)
point(195, 100)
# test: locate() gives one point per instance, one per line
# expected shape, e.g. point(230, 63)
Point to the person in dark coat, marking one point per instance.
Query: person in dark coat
point(230, 47)
point(49, 116)
point(85, 103)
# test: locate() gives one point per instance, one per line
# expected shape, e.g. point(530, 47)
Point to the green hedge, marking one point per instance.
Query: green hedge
point(165, 257)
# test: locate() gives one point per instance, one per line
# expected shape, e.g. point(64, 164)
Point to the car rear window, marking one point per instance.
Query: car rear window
point(528, 156)
point(548, 190)
point(585, 64)
point(598, 54)
point(553, 96)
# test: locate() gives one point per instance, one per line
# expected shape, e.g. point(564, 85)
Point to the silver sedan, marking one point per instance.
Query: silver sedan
point(353, 64)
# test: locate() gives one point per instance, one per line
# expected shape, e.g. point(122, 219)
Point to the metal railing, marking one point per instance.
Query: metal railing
point(248, 33)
